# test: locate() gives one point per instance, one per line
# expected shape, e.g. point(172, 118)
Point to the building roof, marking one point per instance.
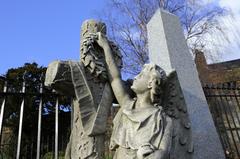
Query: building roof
point(225, 65)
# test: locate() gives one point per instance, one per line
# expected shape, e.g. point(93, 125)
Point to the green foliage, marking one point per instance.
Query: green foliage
point(33, 75)
point(108, 157)
point(3, 155)
point(50, 155)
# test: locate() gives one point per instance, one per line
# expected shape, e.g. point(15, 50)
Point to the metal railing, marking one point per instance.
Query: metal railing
point(42, 99)
point(224, 103)
point(223, 100)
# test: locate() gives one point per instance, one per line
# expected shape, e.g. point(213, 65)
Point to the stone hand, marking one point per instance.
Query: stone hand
point(144, 151)
point(158, 154)
point(102, 40)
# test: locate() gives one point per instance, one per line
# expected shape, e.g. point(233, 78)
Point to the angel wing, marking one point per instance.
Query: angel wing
point(175, 107)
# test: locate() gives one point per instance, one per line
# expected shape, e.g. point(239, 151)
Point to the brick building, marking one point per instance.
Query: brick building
point(223, 96)
point(224, 72)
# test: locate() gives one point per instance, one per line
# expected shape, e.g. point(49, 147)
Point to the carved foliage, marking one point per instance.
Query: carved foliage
point(92, 55)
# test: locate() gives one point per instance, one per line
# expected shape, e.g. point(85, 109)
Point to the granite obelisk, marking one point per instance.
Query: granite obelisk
point(168, 49)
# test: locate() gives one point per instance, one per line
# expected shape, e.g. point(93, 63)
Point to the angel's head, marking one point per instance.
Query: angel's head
point(150, 79)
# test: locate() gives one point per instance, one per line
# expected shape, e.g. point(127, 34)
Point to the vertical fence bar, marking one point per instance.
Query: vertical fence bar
point(229, 147)
point(20, 122)
point(212, 93)
point(232, 115)
point(56, 130)
point(228, 119)
point(214, 111)
point(2, 108)
point(39, 122)
point(236, 95)
point(235, 105)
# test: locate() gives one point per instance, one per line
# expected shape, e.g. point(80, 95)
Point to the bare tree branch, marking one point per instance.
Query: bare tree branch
point(127, 20)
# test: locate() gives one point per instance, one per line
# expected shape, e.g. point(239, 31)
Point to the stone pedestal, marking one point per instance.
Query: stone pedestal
point(168, 49)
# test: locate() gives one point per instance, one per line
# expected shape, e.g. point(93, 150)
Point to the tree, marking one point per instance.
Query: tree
point(127, 24)
point(33, 75)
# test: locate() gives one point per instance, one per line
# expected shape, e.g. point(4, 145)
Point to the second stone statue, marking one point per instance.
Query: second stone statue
point(86, 82)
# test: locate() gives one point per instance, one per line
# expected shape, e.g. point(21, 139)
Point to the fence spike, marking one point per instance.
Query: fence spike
point(3, 108)
point(39, 121)
point(21, 120)
point(56, 129)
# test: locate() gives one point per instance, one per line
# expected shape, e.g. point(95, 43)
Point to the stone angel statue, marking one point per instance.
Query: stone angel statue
point(154, 124)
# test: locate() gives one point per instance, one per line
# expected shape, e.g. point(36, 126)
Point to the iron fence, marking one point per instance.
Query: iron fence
point(44, 133)
point(224, 104)
point(38, 124)
point(33, 132)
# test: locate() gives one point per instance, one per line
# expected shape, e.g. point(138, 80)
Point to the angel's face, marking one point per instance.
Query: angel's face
point(141, 81)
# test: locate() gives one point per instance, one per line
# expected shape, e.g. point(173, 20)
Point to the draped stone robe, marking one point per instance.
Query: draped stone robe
point(92, 101)
point(139, 127)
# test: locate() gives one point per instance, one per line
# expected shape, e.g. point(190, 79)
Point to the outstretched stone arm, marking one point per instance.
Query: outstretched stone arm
point(58, 77)
point(113, 72)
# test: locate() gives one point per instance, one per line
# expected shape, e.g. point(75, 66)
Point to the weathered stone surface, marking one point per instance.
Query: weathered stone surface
point(154, 124)
point(168, 49)
point(91, 103)
point(58, 76)
point(92, 95)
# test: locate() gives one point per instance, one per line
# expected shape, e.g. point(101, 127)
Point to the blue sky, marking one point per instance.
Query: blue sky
point(42, 31)
point(230, 24)
point(45, 30)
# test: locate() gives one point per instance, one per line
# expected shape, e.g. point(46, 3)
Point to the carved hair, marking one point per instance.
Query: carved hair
point(157, 77)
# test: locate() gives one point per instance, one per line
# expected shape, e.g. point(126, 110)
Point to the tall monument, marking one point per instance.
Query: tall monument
point(168, 49)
